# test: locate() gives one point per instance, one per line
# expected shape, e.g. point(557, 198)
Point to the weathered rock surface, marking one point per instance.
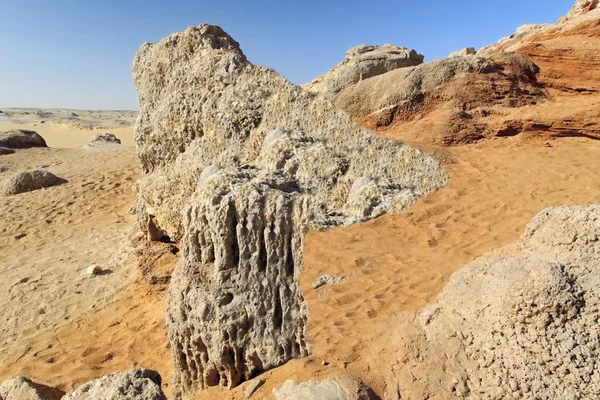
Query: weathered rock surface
point(363, 62)
point(582, 7)
point(461, 87)
point(21, 139)
point(520, 322)
point(238, 163)
point(138, 384)
point(341, 388)
point(104, 139)
point(467, 51)
point(26, 181)
point(21, 388)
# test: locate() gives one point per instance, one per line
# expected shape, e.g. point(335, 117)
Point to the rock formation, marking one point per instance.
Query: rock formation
point(26, 181)
point(467, 51)
point(460, 88)
point(21, 388)
point(363, 62)
point(21, 139)
point(138, 384)
point(519, 322)
point(238, 163)
point(581, 7)
point(103, 139)
point(340, 388)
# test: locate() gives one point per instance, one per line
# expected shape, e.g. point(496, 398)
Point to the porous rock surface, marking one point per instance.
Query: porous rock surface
point(339, 388)
point(363, 62)
point(525, 317)
point(138, 384)
point(238, 163)
point(21, 388)
point(26, 181)
point(21, 139)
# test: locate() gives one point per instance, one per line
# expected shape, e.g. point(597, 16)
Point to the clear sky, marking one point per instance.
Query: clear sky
point(78, 53)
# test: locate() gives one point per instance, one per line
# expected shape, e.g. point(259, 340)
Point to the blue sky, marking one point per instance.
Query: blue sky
point(78, 53)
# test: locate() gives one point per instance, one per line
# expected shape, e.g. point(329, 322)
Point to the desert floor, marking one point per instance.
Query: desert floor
point(62, 327)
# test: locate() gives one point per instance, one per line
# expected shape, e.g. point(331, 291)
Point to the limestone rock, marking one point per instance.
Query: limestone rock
point(526, 315)
point(21, 388)
point(363, 62)
point(104, 139)
point(467, 51)
point(94, 269)
point(138, 384)
point(237, 164)
point(26, 181)
point(341, 388)
point(21, 139)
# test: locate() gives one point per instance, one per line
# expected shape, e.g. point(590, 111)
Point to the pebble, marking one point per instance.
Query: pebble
point(94, 269)
point(253, 386)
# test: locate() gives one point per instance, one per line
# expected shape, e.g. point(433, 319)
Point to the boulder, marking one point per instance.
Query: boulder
point(138, 384)
point(525, 317)
point(21, 388)
point(341, 388)
point(26, 181)
point(237, 164)
point(467, 51)
point(104, 139)
point(21, 139)
point(363, 62)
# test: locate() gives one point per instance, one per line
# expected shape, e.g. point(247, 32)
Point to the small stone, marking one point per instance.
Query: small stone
point(20, 236)
point(324, 363)
point(94, 269)
point(253, 386)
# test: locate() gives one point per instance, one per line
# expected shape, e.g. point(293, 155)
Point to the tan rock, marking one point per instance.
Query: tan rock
point(363, 62)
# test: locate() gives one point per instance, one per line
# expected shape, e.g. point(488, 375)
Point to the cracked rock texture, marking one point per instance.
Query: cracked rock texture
point(363, 62)
point(138, 384)
point(238, 163)
point(522, 322)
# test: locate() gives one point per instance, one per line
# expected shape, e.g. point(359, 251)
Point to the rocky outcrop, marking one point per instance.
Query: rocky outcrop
point(461, 89)
point(582, 7)
point(104, 139)
point(363, 62)
point(238, 163)
point(519, 322)
point(21, 388)
point(138, 384)
point(467, 51)
point(340, 388)
point(21, 139)
point(26, 181)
